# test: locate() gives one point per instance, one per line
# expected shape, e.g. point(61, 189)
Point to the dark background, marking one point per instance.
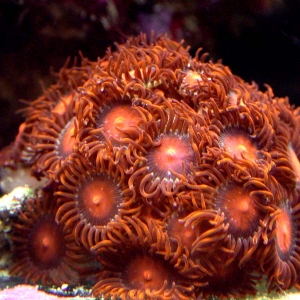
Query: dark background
point(258, 39)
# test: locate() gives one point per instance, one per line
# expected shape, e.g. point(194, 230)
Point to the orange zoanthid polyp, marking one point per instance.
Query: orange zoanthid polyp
point(178, 230)
point(67, 140)
point(62, 106)
point(284, 233)
point(192, 78)
point(145, 272)
point(46, 245)
point(172, 154)
point(240, 210)
point(294, 161)
point(238, 144)
point(100, 198)
point(120, 119)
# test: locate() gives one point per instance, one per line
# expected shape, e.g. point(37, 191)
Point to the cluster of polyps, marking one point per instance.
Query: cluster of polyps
point(164, 176)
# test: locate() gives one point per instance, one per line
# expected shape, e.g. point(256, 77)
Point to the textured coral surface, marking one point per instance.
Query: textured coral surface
point(163, 176)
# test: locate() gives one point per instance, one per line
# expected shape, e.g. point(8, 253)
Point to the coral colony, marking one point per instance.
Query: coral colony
point(162, 176)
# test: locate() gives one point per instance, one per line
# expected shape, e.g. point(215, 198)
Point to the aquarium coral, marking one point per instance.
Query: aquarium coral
point(162, 176)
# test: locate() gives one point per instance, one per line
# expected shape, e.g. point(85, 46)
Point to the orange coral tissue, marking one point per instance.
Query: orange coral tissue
point(165, 176)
